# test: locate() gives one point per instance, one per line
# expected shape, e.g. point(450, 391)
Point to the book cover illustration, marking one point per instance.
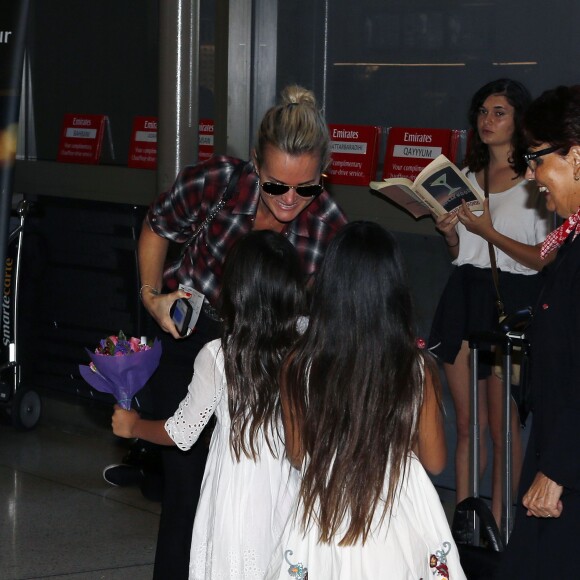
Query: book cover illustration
point(438, 189)
point(448, 188)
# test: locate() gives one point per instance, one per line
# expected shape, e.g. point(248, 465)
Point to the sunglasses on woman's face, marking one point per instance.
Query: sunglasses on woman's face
point(272, 188)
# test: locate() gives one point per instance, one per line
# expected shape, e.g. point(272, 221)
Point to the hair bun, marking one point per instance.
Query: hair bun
point(295, 126)
point(297, 95)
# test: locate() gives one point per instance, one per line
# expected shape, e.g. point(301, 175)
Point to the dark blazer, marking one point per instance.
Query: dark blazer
point(538, 547)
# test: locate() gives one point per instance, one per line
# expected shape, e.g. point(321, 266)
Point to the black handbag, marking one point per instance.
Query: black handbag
point(521, 390)
point(479, 562)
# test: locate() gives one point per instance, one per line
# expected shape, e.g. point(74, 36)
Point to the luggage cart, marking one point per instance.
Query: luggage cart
point(473, 520)
point(22, 405)
point(504, 340)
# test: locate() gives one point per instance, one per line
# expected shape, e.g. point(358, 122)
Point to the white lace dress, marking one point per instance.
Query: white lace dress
point(243, 507)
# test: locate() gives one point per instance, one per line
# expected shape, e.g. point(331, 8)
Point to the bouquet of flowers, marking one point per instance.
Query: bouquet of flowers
point(121, 366)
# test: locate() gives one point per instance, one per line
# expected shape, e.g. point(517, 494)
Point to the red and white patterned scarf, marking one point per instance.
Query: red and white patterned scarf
point(555, 239)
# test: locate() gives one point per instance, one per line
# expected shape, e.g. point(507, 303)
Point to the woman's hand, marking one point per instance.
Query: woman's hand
point(480, 225)
point(543, 498)
point(446, 225)
point(159, 306)
point(152, 252)
point(124, 422)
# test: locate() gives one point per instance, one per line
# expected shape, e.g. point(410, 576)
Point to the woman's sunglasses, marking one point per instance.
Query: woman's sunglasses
point(302, 190)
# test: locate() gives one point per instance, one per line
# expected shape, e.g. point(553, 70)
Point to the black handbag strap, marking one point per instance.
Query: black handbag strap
point(226, 196)
point(462, 527)
point(492, 259)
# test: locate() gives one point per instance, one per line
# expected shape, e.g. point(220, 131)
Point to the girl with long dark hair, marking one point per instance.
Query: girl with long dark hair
point(248, 486)
point(360, 414)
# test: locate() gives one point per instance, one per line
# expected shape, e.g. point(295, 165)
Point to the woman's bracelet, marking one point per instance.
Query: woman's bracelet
point(452, 245)
point(153, 291)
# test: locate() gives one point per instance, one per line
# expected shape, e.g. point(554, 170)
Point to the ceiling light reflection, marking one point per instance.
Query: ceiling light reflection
point(399, 64)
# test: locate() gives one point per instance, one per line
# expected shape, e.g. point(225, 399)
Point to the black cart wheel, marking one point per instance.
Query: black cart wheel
point(26, 407)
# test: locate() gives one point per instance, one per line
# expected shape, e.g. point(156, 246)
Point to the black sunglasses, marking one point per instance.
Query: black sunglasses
point(529, 158)
point(302, 190)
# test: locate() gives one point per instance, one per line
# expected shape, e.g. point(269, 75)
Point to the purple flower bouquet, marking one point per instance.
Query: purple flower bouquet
point(121, 366)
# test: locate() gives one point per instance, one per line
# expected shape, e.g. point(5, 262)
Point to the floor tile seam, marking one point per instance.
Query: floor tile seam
point(91, 571)
point(76, 488)
point(85, 432)
point(97, 435)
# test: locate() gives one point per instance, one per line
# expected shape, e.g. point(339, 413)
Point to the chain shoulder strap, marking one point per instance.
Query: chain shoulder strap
point(215, 210)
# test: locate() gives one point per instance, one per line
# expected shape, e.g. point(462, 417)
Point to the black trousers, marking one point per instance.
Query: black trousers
point(182, 471)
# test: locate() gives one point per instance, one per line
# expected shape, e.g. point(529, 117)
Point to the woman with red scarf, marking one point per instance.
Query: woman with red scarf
point(544, 541)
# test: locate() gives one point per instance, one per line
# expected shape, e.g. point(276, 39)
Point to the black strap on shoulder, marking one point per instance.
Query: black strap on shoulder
point(492, 260)
point(226, 196)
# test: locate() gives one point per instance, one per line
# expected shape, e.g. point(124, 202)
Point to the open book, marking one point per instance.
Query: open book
point(437, 190)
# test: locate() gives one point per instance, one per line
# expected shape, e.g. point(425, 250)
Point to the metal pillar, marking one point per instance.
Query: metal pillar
point(233, 77)
point(265, 52)
point(178, 118)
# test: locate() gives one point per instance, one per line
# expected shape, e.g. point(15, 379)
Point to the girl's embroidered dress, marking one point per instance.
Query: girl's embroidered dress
point(414, 544)
point(243, 506)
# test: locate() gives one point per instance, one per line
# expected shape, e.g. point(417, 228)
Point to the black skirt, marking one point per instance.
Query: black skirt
point(468, 305)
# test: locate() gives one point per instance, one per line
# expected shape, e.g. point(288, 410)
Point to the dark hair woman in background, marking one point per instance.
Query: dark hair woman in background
point(515, 227)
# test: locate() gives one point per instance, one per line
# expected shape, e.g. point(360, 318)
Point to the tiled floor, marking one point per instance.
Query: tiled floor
point(58, 518)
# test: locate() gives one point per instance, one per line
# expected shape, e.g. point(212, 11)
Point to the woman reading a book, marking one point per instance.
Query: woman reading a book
point(514, 227)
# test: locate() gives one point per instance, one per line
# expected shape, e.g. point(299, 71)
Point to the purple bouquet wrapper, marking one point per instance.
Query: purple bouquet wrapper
point(122, 376)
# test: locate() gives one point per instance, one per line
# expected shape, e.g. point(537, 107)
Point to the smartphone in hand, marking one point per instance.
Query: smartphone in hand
point(181, 312)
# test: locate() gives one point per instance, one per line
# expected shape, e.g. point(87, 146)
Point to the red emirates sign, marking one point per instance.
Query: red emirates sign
point(143, 147)
point(206, 147)
point(409, 150)
point(354, 154)
point(81, 138)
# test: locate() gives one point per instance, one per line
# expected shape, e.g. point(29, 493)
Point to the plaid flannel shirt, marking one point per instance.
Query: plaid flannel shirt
point(177, 213)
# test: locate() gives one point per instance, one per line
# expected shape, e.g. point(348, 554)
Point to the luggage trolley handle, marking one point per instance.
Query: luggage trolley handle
point(21, 211)
point(504, 341)
point(16, 236)
point(516, 322)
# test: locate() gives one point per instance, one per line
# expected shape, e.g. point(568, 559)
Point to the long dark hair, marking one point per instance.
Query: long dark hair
point(262, 296)
point(519, 98)
point(354, 382)
point(554, 118)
